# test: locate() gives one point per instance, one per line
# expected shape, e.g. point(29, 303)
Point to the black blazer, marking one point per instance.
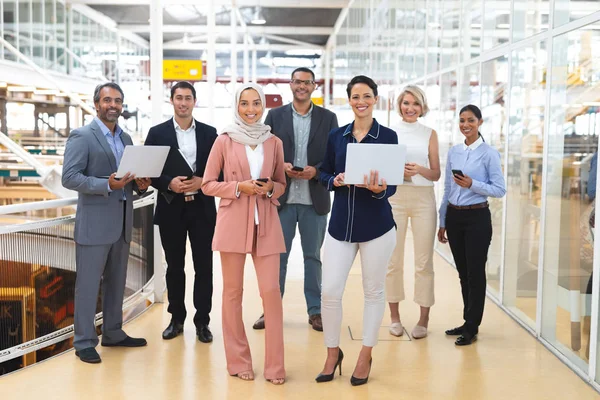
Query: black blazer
point(164, 135)
point(322, 122)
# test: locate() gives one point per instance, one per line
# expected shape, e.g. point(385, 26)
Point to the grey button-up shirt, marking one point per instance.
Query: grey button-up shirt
point(299, 192)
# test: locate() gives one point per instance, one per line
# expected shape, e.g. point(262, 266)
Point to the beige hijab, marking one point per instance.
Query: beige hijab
point(240, 131)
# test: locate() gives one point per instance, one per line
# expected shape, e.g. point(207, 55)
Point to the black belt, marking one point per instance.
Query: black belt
point(470, 207)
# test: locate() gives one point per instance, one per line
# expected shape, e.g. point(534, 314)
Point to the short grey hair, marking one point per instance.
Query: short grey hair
point(104, 85)
point(419, 96)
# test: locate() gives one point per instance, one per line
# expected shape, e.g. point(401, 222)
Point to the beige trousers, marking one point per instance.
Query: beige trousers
point(418, 204)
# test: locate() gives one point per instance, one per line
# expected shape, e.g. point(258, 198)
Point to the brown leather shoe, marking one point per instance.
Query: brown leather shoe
point(260, 323)
point(316, 322)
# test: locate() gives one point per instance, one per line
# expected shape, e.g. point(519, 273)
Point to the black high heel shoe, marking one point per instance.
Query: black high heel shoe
point(329, 377)
point(361, 381)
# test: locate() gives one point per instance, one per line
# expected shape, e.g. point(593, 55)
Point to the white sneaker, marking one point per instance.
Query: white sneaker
point(396, 329)
point(419, 332)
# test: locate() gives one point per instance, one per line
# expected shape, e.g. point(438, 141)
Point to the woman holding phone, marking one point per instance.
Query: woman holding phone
point(250, 159)
point(473, 173)
point(414, 200)
point(361, 219)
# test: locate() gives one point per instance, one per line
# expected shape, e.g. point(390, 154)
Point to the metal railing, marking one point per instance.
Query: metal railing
point(37, 280)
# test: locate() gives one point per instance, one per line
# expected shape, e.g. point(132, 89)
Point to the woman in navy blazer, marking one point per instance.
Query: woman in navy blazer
point(361, 219)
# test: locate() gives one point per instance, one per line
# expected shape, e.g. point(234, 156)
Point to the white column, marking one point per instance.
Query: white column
point(157, 93)
point(254, 65)
point(211, 66)
point(233, 63)
point(327, 86)
point(246, 59)
point(118, 62)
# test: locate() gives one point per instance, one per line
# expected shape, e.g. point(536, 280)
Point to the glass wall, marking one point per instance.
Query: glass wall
point(573, 140)
point(535, 73)
point(39, 30)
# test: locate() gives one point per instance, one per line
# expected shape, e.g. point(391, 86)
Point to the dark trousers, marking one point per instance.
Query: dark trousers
point(469, 235)
point(173, 235)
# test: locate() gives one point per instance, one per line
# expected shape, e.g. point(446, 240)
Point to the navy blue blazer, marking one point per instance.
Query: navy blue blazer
point(358, 215)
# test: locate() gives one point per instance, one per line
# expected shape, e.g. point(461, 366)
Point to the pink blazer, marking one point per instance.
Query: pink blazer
point(234, 232)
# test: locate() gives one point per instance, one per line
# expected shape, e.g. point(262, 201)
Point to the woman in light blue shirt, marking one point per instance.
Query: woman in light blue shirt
point(473, 173)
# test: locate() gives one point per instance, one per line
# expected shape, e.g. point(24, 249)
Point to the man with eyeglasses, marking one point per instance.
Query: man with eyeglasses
point(103, 223)
point(304, 128)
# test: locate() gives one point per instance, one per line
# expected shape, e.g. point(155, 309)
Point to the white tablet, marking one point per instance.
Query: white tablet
point(387, 159)
point(143, 161)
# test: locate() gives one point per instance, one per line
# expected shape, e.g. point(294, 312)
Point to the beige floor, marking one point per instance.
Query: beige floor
point(506, 362)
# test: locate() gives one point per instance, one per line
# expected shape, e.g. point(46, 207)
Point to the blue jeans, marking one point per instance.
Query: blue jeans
point(312, 233)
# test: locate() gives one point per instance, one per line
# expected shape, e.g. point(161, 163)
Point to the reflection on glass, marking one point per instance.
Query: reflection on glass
point(530, 17)
point(573, 139)
point(447, 129)
point(9, 20)
point(524, 183)
point(450, 38)
point(471, 43)
point(494, 81)
point(496, 23)
point(25, 27)
point(470, 91)
point(434, 31)
point(569, 10)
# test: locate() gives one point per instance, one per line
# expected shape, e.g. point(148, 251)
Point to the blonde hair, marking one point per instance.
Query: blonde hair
point(419, 96)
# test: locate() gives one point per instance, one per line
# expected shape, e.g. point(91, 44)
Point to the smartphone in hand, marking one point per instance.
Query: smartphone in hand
point(457, 172)
point(297, 169)
point(262, 180)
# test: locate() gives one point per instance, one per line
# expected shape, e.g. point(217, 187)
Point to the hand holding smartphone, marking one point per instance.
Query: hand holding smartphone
point(458, 172)
point(297, 169)
point(262, 180)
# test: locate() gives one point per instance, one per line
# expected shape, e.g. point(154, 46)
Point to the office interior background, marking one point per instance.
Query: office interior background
point(533, 67)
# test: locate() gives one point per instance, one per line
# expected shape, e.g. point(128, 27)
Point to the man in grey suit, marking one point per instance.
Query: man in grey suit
point(103, 223)
point(304, 128)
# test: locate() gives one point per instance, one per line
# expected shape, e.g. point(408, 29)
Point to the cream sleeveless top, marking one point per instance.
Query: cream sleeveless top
point(416, 138)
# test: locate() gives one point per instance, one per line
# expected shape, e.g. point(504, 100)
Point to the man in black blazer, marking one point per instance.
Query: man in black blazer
point(184, 210)
point(304, 128)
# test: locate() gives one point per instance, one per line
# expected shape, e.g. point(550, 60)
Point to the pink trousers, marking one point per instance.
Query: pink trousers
point(237, 350)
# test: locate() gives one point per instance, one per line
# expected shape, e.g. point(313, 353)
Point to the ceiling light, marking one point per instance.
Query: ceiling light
point(258, 18)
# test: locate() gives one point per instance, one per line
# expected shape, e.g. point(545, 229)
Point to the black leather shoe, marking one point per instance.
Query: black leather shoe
point(127, 342)
point(173, 330)
point(465, 339)
point(329, 377)
point(455, 331)
point(361, 381)
point(260, 323)
point(204, 334)
point(89, 355)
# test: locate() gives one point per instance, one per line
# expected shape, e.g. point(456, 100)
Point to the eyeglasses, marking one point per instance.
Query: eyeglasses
point(299, 82)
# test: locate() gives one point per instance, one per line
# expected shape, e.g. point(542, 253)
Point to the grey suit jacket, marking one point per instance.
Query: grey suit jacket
point(322, 122)
point(87, 164)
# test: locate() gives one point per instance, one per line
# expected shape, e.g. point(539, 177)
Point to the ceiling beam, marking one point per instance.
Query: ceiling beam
point(239, 3)
point(225, 30)
point(226, 47)
point(339, 23)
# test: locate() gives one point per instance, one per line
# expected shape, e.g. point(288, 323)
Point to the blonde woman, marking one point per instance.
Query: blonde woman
point(414, 200)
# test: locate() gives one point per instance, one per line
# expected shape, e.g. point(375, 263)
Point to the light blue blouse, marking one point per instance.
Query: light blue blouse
point(481, 163)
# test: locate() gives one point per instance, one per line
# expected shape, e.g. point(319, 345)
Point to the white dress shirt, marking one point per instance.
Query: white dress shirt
point(186, 139)
point(256, 159)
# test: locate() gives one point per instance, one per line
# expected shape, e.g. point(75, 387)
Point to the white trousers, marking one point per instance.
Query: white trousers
point(338, 258)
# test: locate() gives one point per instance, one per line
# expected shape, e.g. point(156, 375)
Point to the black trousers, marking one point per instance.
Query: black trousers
point(469, 235)
point(174, 231)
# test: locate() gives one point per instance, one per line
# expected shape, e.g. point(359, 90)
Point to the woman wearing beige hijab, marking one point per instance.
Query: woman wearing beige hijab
point(250, 159)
